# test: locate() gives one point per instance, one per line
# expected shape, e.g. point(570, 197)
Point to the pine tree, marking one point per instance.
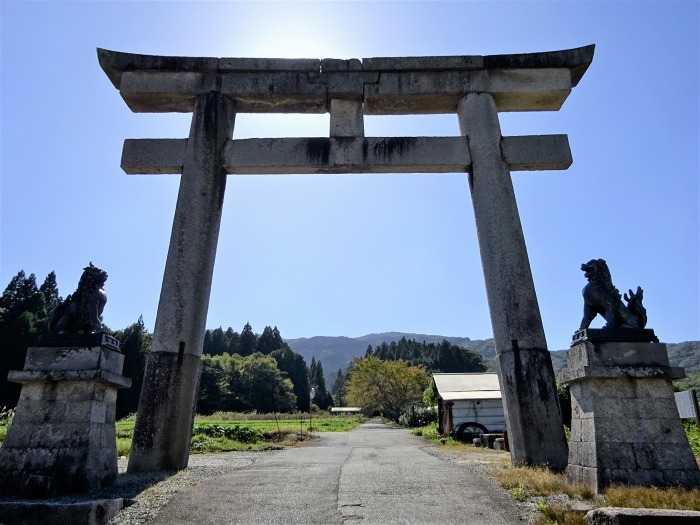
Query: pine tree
point(135, 345)
point(323, 399)
point(338, 389)
point(248, 341)
point(49, 291)
point(269, 341)
point(23, 318)
point(293, 366)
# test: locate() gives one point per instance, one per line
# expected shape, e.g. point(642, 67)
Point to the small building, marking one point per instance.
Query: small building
point(469, 403)
point(345, 410)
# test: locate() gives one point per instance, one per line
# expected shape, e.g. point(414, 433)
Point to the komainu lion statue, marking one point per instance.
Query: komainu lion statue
point(80, 312)
point(601, 297)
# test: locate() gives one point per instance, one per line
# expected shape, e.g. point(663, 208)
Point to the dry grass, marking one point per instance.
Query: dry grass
point(530, 482)
point(554, 515)
point(527, 483)
point(653, 498)
point(538, 481)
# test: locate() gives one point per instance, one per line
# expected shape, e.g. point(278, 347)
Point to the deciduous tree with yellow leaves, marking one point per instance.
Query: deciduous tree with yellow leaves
point(385, 387)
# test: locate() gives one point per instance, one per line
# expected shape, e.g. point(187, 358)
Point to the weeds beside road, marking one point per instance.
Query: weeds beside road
point(558, 502)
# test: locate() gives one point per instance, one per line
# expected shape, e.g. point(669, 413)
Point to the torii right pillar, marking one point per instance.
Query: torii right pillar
point(533, 417)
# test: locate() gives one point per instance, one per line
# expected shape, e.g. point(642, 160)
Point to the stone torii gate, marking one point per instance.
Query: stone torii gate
point(476, 88)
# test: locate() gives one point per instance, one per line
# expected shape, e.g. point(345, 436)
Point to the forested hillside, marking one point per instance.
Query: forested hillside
point(686, 354)
point(336, 353)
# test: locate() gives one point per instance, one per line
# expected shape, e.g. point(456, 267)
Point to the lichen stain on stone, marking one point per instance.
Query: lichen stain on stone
point(318, 150)
point(389, 147)
point(543, 390)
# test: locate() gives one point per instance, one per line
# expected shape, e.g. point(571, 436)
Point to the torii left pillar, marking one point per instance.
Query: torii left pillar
point(169, 394)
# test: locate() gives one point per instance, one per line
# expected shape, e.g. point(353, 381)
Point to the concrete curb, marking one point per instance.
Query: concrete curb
point(625, 516)
point(94, 512)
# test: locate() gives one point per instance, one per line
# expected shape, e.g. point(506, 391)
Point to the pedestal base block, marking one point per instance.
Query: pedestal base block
point(625, 426)
point(63, 439)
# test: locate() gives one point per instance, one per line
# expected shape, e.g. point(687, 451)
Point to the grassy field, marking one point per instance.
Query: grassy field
point(227, 431)
point(544, 489)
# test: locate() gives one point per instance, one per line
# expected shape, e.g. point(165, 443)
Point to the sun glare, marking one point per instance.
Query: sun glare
point(288, 44)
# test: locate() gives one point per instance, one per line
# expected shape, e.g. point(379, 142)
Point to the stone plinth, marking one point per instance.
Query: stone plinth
point(63, 439)
point(625, 426)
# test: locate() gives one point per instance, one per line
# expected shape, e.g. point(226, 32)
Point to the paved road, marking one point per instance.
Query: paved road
point(371, 475)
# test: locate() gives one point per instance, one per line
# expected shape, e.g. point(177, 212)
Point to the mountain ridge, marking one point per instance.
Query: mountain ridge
point(336, 352)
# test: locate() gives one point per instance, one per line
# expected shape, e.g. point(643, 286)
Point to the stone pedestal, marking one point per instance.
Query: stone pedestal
point(625, 426)
point(63, 439)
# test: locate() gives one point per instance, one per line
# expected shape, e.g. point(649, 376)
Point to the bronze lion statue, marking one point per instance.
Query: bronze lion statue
point(80, 312)
point(601, 297)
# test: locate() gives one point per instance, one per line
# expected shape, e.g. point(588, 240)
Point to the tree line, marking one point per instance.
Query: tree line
point(240, 371)
point(444, 357)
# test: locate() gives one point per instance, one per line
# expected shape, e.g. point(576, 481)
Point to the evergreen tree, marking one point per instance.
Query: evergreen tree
point(269, 341)
point(231, 340)
point(49, 291)
point(338, 389)
point(293, 366)
point(135, 345)
point(322, 399)
point(444, 357)
point(22, 295)
point(23, 318)
point(248, 341)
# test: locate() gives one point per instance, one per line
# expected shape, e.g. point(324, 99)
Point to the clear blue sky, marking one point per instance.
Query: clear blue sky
point(355, 254)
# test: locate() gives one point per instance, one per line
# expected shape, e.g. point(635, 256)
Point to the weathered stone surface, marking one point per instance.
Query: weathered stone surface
point(166, 406)
point(573, 59)
point(324, 155)
point(256, 65)
point(17, 376)
point(184, 298)
point(533, 417)
point(74, 359)
point(526, 82)
point(347, 155)
point(429, 92)
point(347, 119)
point(346, 85)
point(285, 92)
point(154, 91)
point(153, 156)
point(63, 439)
point(617, 354)
point(625, 426)
point(166, 412)
point(94, 512)
point(614, 372)
point(336, 64)
point(537, 152)
point(626, 516)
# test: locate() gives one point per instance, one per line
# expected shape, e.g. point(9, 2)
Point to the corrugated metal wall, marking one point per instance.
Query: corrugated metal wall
point(487, 412)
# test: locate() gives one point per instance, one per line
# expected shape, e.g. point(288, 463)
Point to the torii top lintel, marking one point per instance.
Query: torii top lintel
point(386, 86)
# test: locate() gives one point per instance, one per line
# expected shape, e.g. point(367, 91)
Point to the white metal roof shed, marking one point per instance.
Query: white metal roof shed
point(451, 387)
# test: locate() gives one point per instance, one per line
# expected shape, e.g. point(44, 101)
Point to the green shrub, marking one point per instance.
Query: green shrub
point(418, 417)
point(428, 431)
point(234, 433)
point(519, 493)
point(691, 430)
